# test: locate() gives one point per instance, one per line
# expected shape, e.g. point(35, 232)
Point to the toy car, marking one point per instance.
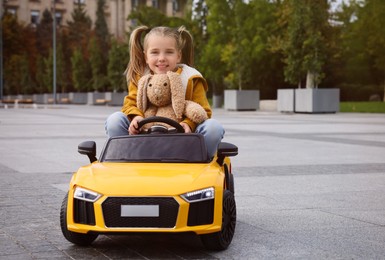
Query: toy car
point(162, 181)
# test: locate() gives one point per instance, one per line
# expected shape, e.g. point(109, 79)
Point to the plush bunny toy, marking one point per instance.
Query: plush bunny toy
point(164, 95)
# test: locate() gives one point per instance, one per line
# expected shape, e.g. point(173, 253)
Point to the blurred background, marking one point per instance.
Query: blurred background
point(76, 46)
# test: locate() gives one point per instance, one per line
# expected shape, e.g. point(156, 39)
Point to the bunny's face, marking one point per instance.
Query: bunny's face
point(159, 91)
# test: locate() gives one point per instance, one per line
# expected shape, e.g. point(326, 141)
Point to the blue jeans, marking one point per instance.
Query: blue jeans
point(117, 125)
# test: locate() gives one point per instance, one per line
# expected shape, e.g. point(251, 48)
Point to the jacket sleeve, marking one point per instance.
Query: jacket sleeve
point(196, 91)
point(129, 106)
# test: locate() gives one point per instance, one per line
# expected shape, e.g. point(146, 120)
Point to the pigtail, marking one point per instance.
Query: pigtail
point(137, 63)
point(186, 44)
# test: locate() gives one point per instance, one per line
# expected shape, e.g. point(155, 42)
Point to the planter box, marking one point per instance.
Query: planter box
point(115, 98)
point(242, 100)
point(62, 98)
point(38, 98)
point(285, 100)
point(217, 101)
point(78, 98)
point(96, 98)
point(46, 98)
point(317, 100)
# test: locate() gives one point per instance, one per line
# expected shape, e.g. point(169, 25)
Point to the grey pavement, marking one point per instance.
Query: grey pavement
point(307, 186)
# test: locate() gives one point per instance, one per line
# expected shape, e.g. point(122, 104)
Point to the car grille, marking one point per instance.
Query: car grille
point(84, 212)
point(168, 212)
point(201, 213)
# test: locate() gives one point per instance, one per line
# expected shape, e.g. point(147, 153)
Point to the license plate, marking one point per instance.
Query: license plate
point(139, 211)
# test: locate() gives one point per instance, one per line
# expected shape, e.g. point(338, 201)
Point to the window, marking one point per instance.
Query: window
point(59, 18)
point(175, 6)
point(11, 11)
point(134, 3)
point(155, 3)
point(35, 17)
point(82, 2)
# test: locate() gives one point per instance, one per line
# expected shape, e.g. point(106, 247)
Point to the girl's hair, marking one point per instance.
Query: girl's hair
point(137, 64)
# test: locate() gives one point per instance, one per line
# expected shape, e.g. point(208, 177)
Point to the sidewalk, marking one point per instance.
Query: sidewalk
point(307, 186)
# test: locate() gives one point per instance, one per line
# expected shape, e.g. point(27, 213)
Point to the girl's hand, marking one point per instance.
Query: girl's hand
point(133, 129)
point(186, 127)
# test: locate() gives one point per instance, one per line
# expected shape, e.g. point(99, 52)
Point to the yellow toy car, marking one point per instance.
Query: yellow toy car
point(157, 182)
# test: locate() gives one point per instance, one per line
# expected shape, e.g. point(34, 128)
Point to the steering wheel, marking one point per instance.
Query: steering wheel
point(159, 128)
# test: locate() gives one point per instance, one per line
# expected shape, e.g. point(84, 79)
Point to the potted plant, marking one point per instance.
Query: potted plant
point(304, 48)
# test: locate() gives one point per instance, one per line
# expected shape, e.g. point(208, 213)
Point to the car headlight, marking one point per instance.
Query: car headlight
point(199, 195)
point(86, 195)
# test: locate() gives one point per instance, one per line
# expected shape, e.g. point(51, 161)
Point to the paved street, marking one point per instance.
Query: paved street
point(307, 186)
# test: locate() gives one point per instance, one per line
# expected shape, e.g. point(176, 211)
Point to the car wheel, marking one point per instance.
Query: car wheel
point(231, 183)
point(222, 239)
point(73, 237)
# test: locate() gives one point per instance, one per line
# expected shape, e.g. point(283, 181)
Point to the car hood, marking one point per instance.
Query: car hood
point(147, 179)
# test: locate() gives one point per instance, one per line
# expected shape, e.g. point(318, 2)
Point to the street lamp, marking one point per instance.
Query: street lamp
point(1, 50)
point(54, 50)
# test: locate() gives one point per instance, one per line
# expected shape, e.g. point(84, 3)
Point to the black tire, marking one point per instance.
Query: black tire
point(73, 237)
point(222, 239)
point(231, 183)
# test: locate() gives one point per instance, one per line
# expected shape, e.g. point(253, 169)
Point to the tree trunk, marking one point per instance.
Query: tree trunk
point(384, 92)
point(310, 79)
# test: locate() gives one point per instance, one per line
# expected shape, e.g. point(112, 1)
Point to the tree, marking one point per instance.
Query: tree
point(371, 31)
point(117, 61)
point(101, 28)
point(48, 75)
point(79, 71)
point(79, 29)
point(98, 48)
point(304, 44)
point(13, 51)
point(237, 53)
point(97, 62)
point(40, 73)
point(149, 16)
point(218, 24)
point(26, 82)
point(44, 34)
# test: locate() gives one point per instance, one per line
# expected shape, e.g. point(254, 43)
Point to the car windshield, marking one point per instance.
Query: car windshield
point(156, 148)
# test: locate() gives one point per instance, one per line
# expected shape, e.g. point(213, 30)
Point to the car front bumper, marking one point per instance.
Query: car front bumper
point(112, 214)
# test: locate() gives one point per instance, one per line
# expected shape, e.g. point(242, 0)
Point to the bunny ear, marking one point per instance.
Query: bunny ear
point(177, 93)
point(141, 97)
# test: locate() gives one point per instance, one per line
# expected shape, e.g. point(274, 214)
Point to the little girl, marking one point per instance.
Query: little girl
point(164, 49)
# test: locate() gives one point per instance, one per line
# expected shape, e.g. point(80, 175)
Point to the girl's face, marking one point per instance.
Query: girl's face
point(161, 54)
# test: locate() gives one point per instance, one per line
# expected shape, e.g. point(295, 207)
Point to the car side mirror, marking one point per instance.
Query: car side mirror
point(226, 150)
point(88, 148)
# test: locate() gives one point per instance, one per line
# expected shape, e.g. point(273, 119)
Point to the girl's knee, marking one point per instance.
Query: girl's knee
point(117, 124)
point(212, 127)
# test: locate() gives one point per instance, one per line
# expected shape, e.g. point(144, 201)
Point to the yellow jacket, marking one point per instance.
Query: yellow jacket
point(196, 88)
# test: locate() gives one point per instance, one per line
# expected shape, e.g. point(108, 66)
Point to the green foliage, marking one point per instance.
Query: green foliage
point(44, 34)
point(60, 69)
point(237, 53)
point(254, 44)
point(101, 29)
point(305, 42)
point(98, 50)
point(48, 73)
point(40, 73)
point(13, 74)
point(79, 72)
point(362, 107)
point(149, 16)
point(118, 57)
point(211, 60)
point(79, 29)
point(26, 81)
point(13, 54)
point(99, 80)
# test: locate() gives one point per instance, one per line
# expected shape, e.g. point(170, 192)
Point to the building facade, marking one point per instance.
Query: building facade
point(116, 12)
